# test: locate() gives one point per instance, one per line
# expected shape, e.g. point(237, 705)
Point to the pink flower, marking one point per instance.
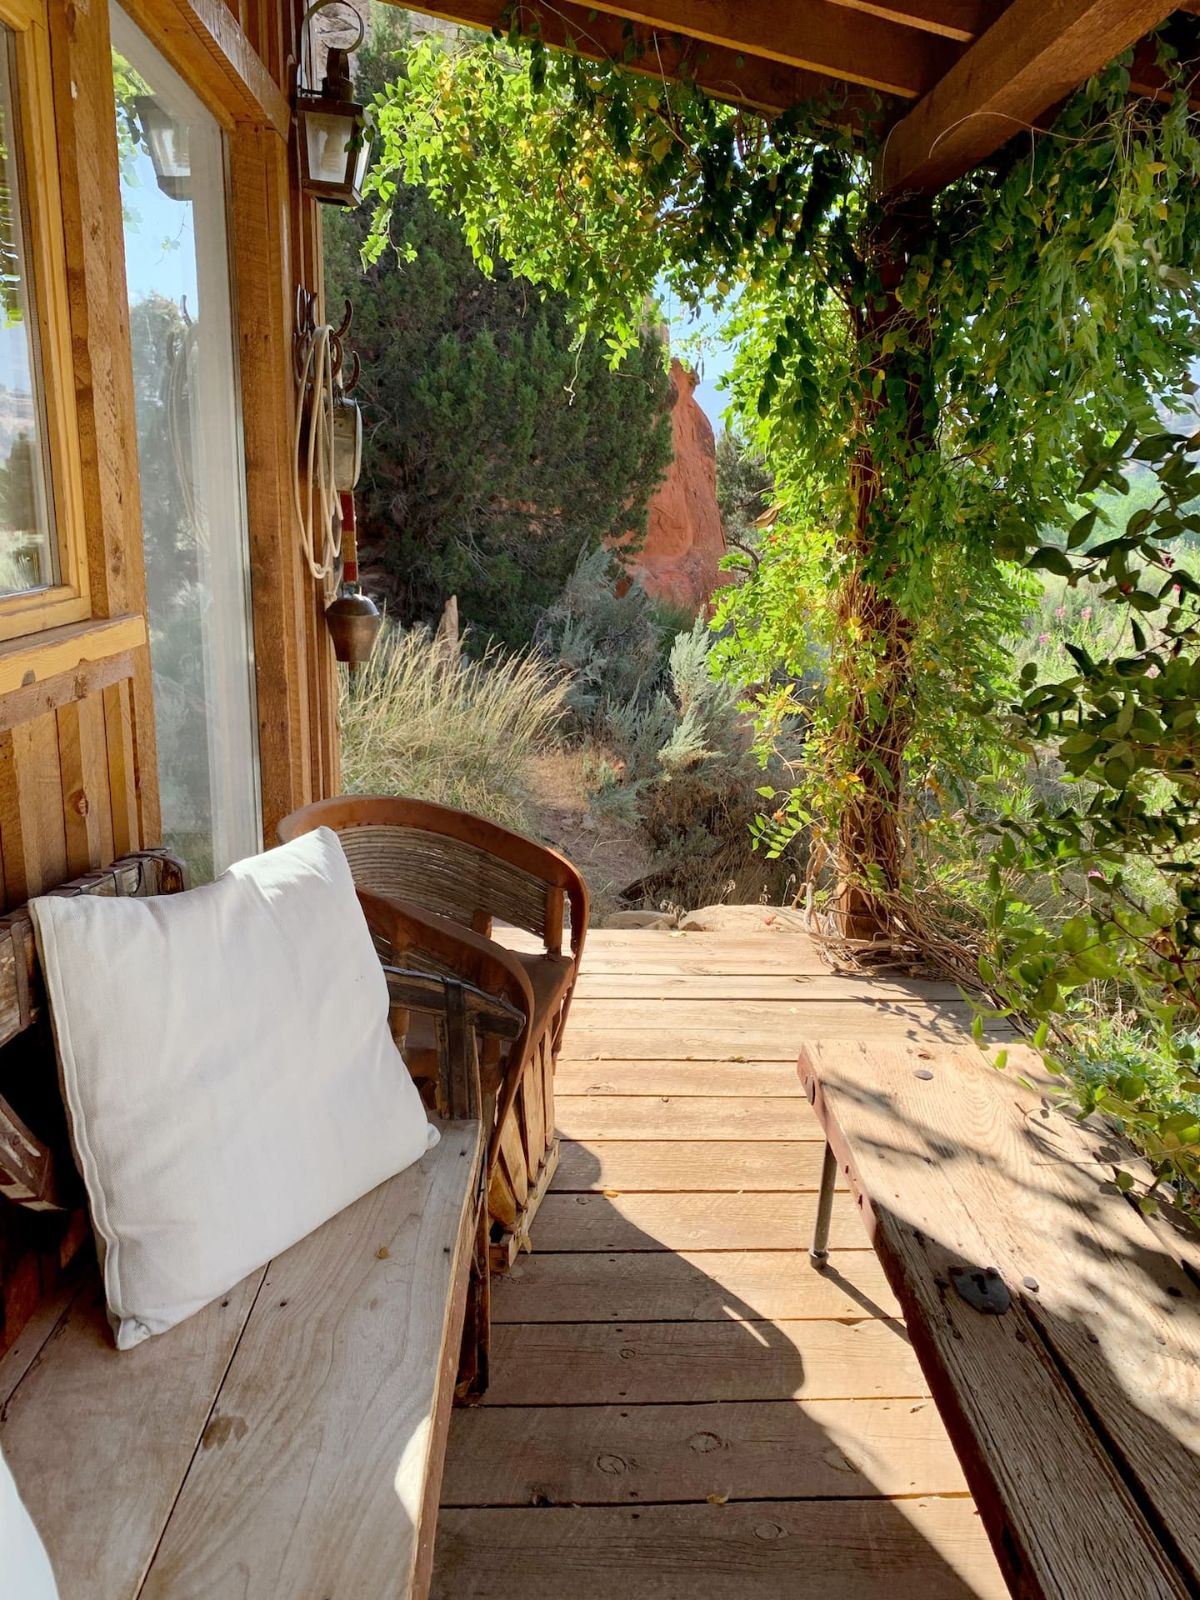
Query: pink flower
point(1086, 613)
point(1094, 872)
point(1060, 612)
point(1043, 638)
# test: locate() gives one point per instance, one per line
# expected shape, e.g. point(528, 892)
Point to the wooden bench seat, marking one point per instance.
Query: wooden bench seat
point(286, 1442)
point(1058, 1326)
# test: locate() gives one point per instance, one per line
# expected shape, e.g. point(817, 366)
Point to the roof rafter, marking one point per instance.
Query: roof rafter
point(726, 74)
point(1032, 56)
point(819, 35)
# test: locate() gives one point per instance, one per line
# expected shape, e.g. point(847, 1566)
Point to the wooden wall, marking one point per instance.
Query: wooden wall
point(78, 780)
point(78, 769)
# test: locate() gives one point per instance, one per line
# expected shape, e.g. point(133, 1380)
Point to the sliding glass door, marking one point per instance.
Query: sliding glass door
point(173, 191)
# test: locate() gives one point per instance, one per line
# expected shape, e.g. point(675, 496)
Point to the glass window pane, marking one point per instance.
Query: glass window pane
point(27, 544)
point(190, 456)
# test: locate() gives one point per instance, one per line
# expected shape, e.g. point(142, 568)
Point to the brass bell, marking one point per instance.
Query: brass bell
point(354, 624)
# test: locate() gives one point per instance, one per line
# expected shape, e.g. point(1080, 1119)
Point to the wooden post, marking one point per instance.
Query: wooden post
point(878, 724)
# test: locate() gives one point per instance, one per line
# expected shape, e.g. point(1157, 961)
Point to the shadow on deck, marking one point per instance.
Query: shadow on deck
point(680, 1405)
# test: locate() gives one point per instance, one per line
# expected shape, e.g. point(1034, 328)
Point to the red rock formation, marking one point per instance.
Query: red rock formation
point(684, 538)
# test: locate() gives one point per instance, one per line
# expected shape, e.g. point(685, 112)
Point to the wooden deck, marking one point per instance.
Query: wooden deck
point(681, 1407)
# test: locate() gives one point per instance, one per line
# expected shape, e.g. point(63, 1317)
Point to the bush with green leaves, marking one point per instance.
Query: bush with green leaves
point(497, 446)
point(1123, 856)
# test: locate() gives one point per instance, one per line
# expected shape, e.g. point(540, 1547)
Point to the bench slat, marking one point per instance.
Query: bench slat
point(958, 1166)
point(318, 1472)
point(99, 1442)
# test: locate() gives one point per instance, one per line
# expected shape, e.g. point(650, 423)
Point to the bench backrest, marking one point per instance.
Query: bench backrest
point(36, 1173)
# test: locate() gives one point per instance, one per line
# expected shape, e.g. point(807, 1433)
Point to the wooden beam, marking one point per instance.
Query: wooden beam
point(810, 34)
point(204, 41)
point(963, 20)
point(749, 80)
point(1028, 60)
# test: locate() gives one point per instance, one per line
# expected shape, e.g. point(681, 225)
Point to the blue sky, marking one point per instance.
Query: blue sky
point(702, 343)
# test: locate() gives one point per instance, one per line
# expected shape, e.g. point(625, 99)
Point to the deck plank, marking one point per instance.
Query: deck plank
point(736, 1079)
point(928, 1549)
point(667, 1165)
point(792, 987)
point(669, 1344)
point(639, 1220)
point(610, 1455)
point(692, 1286)
point(663, 1363)
point(697, 1117)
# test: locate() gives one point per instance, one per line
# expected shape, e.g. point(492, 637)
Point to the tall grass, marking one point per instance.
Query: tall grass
point(416, 721)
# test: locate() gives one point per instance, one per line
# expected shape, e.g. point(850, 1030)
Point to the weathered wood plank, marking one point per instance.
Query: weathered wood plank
point(775, 1033)
point(615, 1165)
point(1032, 56)
point(692, 1286)
point(317, 1458)
point(841, 1550)
point(962, 1168)
point(647, 1363)
point(602, 982)
point(770, 1079)
point(772, 1450)
point(703, 1221)
point(114, 1432)
point(683, 1117)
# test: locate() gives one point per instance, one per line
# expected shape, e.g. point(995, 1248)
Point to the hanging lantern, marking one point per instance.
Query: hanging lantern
point(335, 142)
point(167, 144)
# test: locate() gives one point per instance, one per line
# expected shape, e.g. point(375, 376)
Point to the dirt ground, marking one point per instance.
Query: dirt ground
point(608, 855)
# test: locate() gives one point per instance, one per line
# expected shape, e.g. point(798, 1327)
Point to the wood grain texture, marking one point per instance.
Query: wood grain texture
point(962, 1168)
point(692, 1286)
point(205, 42)
point(679, 1079)
point(688, 1221)
point(723, 72)
point(587, 1117)
point(316, 1460)
point(649, 1363)
point(612, 1166)
point(115, 1432)
point(610, 1455)
point(263, 275)
point(926, 1549)
point(1032, 56)
point(603, 983)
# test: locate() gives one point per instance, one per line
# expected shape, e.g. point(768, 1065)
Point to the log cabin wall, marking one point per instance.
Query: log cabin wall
point(78, 763)
point(78, 778)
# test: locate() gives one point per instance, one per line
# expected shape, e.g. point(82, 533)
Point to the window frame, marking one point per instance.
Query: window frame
point(68, 598)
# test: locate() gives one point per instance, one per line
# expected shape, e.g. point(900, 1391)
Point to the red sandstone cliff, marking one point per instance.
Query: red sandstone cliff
point(684, 538)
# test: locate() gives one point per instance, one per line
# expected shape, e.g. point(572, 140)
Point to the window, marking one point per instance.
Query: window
point(28, 554)
point(186, 391)
point(43, 579)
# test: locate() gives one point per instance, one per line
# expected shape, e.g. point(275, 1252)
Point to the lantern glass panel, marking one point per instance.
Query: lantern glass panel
point(329, 136)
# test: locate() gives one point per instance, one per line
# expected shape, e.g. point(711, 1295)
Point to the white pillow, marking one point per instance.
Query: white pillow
point(228, 1072)
point(24, 1566)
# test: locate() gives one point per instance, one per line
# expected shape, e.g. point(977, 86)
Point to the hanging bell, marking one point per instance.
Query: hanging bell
point(354, 624)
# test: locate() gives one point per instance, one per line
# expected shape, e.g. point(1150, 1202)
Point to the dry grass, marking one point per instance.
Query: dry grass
point(418, 722)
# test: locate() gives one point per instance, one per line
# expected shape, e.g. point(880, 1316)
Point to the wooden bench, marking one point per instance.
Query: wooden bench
point(1057, 1324)
point(285, 1443)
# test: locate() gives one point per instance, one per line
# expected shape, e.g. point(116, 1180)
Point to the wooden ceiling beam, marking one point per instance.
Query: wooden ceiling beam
point(725, 74)
point(815, 35)
point(1033, 56)
point(962, 20)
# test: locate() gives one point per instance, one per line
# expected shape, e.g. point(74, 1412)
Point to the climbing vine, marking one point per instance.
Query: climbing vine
point(920, 372)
